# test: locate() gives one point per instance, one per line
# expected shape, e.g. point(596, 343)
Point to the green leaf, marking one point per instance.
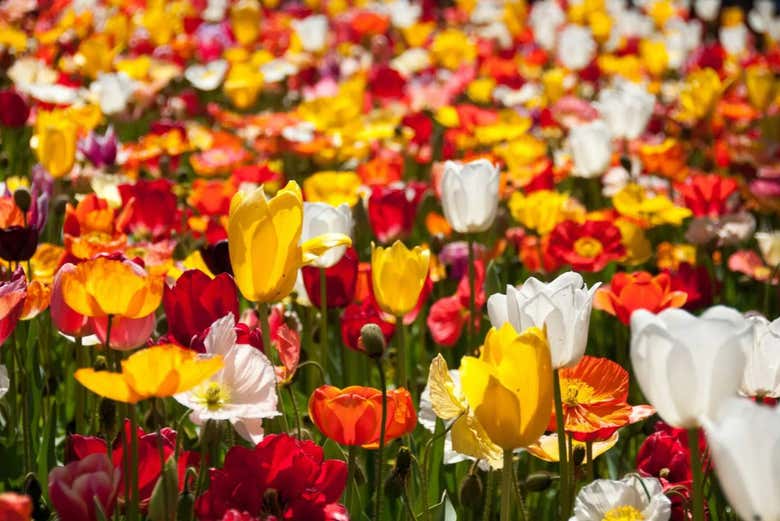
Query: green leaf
point(46, 453)
point(494, 281)
point(165, 496)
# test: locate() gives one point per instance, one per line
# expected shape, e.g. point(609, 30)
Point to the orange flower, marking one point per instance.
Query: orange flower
point(353, 415)
point(639, 290)
point(211, 196)
point(93, 227)
point(38, 298)
point(667, 159)
point(594, 394)
point(105, 286)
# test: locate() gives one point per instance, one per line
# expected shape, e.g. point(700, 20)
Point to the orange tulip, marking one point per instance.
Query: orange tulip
point(108, 286)
point(353, 415)
point(38, 298)
point(639, 290)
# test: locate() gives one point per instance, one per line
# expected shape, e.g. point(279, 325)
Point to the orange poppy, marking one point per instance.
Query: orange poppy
point(639, 290)
point(38, 298)
point(353, 415)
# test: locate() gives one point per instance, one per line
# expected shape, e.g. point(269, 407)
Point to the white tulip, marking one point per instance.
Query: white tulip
point(5, 383)
point(113, 91)
point(321, 218)
point(207, 77)
point(769, 245)
point(312, 31)
point(563, 306)
point(734, 39)
point(744, 442)
point(626, 108)
point(545, 18)
point(404, 13)
point(707, 10)
point(762, 370)
point(576, 47)
point(242, 392)
point(591, 148)
point(469, 195)
point(632, 497)
point(687, 365)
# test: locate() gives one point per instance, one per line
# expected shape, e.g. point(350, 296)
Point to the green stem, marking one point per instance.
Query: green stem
point(400, 355)
point(295, 410)
point(472, 304)
point(489, 490)
point(590, 467)
point(323, 319)
point(81, 391)
point(160, 417)
point(698, 477)
point(107, 344)
point(381, 456)
point(135, 497)
point(506, 486)
point(426, 455)
point(563, 463)
point(265, 326)
point(351, 466)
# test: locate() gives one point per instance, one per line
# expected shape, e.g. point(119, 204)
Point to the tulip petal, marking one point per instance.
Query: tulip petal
point(319, 245)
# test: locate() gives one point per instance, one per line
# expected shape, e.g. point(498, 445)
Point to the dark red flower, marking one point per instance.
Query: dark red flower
point(196, 301)
point(707, 195)
point(18, 243)
point(665, 455)
point(280, 478)
point(696, 282)
point(216, 257)
point(356, 316)
point(421, 124)
point(77, 488)
point(386, 83)
point(340, 280)
point(392, 210)
point(14, 110)
point(154, 208)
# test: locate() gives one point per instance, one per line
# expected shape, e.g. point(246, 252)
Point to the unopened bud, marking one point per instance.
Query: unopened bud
point(579, 455)
point(663, 473)
point(394, 485)
point(471, 491)
point(32, 487)
point(625, 162)
point(107, 416)
point(538, 481)
point(101, 364)
point(403, 461)
point(23, 198)
point(372, 340)
point(186, 503)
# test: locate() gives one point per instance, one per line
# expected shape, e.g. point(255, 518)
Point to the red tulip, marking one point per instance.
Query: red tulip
point(154, 211)
point(14, 110)
point(126, 333)
point(196, 301)
point(12, 295)
point(446, 319)
point(76, 488)
point(392, 209)
point(356, 316)
point(15, 507)
point(707, 195)
point(65, 318)
point(340, 280)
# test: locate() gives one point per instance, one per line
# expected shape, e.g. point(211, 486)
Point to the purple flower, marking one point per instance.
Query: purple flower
point(100, 150)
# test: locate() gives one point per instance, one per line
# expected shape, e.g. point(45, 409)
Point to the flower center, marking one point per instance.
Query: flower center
point(588, 247)
point(214, 396)
point(575, 392)
point(624, 513)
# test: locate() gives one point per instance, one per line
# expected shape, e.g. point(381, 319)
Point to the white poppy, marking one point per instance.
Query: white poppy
point(626, 108)
point(632, 497)
point(207, 77)
point(113, 91)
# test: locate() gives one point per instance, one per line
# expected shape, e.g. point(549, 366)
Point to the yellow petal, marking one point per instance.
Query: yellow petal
point(166, 370)
point(108, 385)
point(318, 246)
point(546, 447)
point(500, 414)
point(445, 399)
point(469, 438)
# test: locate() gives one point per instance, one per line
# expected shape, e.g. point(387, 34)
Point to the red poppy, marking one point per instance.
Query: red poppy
point(14, 110)
point(589, 246)
point(357, 315)
point(353, 415)
point(154, 210)
point(280, 478)
point(196, 301)
point(707, 195)
point(392, 210)
point(340, 280)
point(15, 507)
point(628, 292)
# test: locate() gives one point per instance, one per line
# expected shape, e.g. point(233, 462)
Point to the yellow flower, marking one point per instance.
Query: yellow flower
point(510, 125)
point(634, 202)
point(13, 38)
point(263, 242)
point(760, 83)
point(55, 142)
point(510, 387)
point(155, 372)
point(543, 209)
point(481, 90)
point(452, 48)
point(669, 256)
point(101, 287)
point(638, 247)
point(448, 403)
point(699, 94)
point(654, 56)
point(245, 21)
point(333, 188)
point(95, 55)
point(398, 275)
point(660, 11)
point(600, 25)
point(553, 82)
point(546, 448)
point(243, 84)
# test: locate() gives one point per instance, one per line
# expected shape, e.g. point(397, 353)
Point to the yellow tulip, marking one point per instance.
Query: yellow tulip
point(245, 21)
point(510, 387)
point(398, 275)
point(155, 372)
point(333, 188)
point(263, 242)
point(760, 83)
point(543, 209)
point(101, 287)
point(55, 142)
point(452, 48)
point(700, 94)
point(243, 84)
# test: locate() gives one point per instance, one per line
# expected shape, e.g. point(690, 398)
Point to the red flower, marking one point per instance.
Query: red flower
point(695, 281)
point(340, 280)
point(628, 292)
point(196, 301)
point(14, 110)
point(280, 478)
point(387, 83)
point(15, 507)
point(707, 195)
point(154, 208)
point(589, 246)
point(446, 319)
point(12, 296)
point(356, 316)
point(76, 489)
point(422, 126)
point(392, 210)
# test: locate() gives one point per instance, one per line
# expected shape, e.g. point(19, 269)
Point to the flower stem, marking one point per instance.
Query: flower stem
point(265, 326)
point(295, 410)
point(489, 489)
point(81, 391)
point(323, 319)
point(472, 304)
point(698, 477)
point(107, 345)
point(381, 456)
point(400, 377)
point(351, 466)
point(563, 463)
point(507, 486)
point(132, 466)
point(158, 407)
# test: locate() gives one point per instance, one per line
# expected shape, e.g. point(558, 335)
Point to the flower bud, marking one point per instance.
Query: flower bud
point(579, 455)
point(394, 485)
point(23, 198)
point(372, 340)
point(471, 491)
point(538, 481)
point(107, 416)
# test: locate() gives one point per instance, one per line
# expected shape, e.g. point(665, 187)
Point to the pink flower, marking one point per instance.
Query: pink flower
point(77, 488)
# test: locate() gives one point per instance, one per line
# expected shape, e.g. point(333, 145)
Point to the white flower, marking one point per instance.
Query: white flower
point(591, 148)
point(707, 10)
point(686, 365)
point(632, 497)
point(745, 445)
point(563, 306)
point(427, 419)
point(734, 39)
point(277, 70)
point(322, 218)
point(411, 61)
point(302, 132)
point(52, 93)
point(403, 13)
point(761, 16)
point(576, 47)
point(207, 77)
point(113, 91)
point(215, 11)
point(5, 383)
point(769, 245)
point(626, 108)
point(762, 370)
point(243, 391)
point(469, 195)
point(27, 71)
point(545, 18)
point(312, 31)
